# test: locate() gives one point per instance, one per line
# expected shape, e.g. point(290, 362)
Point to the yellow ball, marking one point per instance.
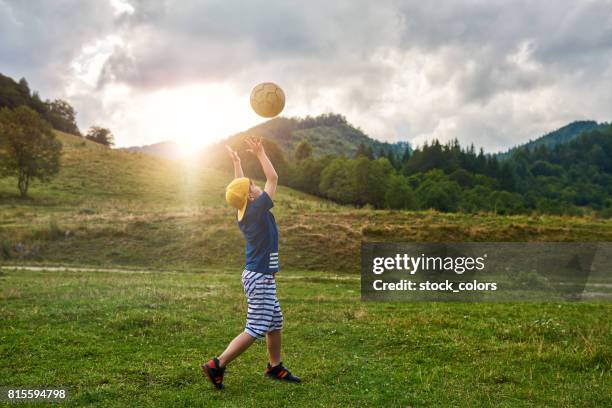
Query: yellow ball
point(267, 99)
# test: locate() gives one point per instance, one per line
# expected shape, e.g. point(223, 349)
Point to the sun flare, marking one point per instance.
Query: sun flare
point(195, 116)
point(191, 116)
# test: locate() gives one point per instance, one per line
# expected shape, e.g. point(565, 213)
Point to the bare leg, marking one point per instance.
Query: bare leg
point(236, 347)
point(273, 340)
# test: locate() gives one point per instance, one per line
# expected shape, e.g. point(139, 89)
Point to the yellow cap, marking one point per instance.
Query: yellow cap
point(236, 194)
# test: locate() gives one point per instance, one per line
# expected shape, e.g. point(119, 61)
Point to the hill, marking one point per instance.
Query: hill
point(564, 134)
point(118, 208)
point(166, 150)
point(58, 113)
point(326, 134)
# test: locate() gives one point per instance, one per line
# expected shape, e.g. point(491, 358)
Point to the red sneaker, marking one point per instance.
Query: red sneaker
point(214, 372)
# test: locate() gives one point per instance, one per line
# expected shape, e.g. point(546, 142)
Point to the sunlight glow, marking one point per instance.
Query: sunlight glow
point(192, 116)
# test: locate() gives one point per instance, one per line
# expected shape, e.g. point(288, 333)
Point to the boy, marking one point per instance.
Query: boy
point(264, 316)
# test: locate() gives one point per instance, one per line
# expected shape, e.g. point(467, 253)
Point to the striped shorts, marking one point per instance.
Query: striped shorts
point(264, 312)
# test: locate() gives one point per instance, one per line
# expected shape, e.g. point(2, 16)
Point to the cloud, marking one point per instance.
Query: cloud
point(492, 73)
point(39, 40)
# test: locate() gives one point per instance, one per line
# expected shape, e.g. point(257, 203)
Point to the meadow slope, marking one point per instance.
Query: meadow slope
point(110, 207)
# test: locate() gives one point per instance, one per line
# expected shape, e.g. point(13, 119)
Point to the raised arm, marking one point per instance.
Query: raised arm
point(236, 160)
point(256, 147)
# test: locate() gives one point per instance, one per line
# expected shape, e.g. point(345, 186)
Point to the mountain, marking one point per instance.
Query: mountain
point(166, 150)
point(564, 134)
point(327, 134)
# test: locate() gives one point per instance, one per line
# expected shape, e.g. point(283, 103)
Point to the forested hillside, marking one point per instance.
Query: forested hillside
point(567, 171)
point(58, 113)
point(573, 177)
point(325, 134)
point(564, 134)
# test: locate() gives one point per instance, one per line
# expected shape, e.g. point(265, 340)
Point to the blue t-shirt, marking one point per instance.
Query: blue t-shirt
point(259, 229)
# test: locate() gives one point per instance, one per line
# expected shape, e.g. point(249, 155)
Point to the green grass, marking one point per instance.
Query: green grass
point(137, 339)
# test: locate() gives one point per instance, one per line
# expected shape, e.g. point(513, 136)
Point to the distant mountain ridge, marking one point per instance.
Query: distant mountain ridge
point(332, 134)
point(326, 134)
point(562, 135)
point(168, 150)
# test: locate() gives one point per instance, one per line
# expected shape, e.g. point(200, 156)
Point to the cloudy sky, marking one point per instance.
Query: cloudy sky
point(492, 73)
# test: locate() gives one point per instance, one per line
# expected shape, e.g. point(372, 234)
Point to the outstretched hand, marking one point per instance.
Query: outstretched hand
point(233, 154)
point(255, 145)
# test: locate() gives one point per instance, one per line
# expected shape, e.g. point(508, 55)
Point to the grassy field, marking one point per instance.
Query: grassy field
point(117, 208)
point(137, 339)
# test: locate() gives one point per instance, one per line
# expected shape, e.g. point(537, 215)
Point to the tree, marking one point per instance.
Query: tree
point(24, 87)
point(28, 148)
point(306, 174)
point(399, 195)
point(338, 181)
point(393, 159)
point(544, 168)
point(406, 155)
point(507, 176)
point(58, 113)
point(62, 116)
point(438, 192)
point(100, 135)
point(361, 150)
point(462, 177)
point(303, 150)
point(476, 199)
point(13, 94)
point(379, 172)
point(504, 202)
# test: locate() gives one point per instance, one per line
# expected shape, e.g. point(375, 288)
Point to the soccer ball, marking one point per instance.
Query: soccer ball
point(267, 99)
